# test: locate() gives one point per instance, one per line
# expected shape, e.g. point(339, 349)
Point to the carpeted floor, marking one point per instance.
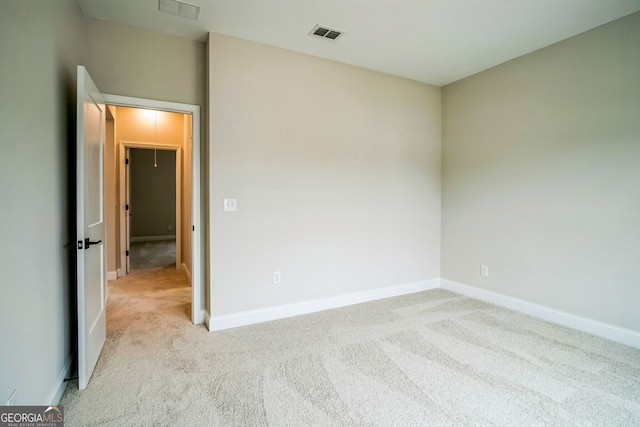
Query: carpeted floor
point(157, 254)
point(427, 359)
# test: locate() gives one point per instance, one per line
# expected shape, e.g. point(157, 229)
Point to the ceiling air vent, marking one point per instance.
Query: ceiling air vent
point(180, 8)
point(325, 32)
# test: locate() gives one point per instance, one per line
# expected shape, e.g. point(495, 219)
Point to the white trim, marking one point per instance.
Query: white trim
point(152, 104)
point(153, 238)
point(233, 320)
point(197, 284)
point(112, 275)
point(207, 320)
point(125, 226)
point(186, 271)
point(121, 272)
point(594, 327)
point(60, 385)
point(198, 281)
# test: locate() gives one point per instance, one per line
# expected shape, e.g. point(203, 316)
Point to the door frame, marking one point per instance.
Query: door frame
point(125, 195)
point(197, 283)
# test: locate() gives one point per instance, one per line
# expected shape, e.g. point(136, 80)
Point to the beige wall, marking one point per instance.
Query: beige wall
point(40, 45)
point(147, 126)
point(541, 176)
point(337, 174)
point(129, 61)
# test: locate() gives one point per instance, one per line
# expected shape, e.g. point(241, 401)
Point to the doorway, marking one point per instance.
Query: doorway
point(144, 220)
point(154, 200)
point(186, 157)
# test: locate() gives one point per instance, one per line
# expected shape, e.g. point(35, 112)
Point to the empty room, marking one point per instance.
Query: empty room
point(399, 213)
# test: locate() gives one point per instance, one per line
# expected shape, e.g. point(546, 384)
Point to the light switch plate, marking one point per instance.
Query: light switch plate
point(484, 270)
point(230, 205)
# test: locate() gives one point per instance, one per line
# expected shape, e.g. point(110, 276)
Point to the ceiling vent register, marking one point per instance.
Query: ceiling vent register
point(326, 32)
point(180, 8)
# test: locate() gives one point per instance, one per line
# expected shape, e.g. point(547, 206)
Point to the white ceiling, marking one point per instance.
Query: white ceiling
point(432, 41)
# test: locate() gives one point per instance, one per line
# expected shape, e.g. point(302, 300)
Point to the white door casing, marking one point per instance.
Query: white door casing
point(198, 312)
point(91, 272)
point(127, 207)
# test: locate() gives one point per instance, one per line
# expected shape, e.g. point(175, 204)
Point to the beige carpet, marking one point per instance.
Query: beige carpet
point(432, 358)
point(156, 254)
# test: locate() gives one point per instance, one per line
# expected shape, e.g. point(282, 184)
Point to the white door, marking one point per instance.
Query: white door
point(91, 276)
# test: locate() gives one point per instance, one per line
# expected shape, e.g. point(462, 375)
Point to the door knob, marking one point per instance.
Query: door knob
point(88, 243)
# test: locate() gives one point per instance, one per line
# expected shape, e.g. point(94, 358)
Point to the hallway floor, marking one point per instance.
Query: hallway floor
point(145, 255)
point(142, 307)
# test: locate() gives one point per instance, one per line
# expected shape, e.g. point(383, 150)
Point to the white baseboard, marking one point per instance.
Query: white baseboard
point(60, 385)
point(187, 272)
point(233, 320)
point(594, 327)
point(112, 275)
point(153, 238)
point(121, 272)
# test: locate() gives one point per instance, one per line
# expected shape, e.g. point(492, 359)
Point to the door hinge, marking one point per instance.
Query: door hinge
point(193, 228)
point(126, 161)
point(126, 207)
point(80, 244)
point(127, 253)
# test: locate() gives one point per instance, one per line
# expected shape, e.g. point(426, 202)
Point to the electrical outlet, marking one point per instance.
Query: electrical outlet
point(484, 270)
point(11, 401)
point(230, 205)
point(277, 277)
